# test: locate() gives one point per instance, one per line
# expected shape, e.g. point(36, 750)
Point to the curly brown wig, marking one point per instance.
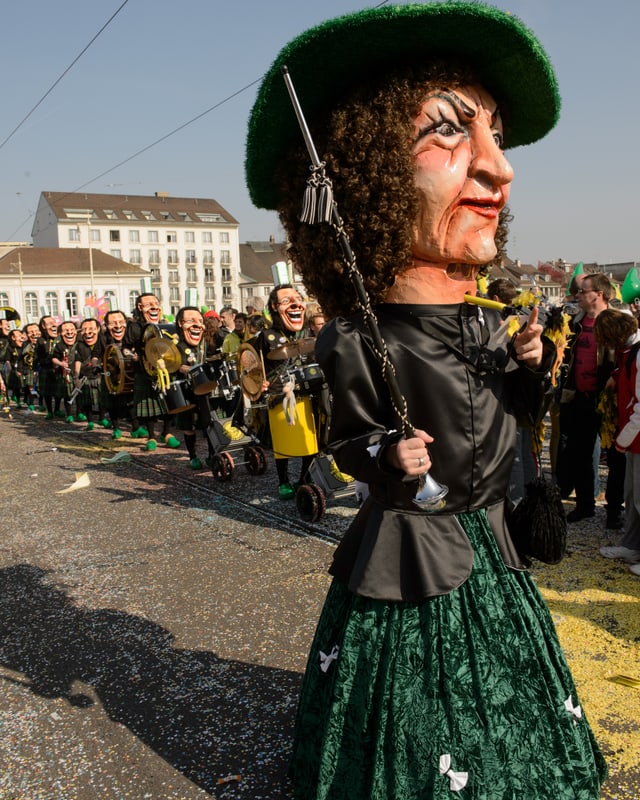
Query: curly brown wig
point(367, 146)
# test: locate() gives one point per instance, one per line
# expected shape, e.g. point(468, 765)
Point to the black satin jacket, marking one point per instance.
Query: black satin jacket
point(464, 389)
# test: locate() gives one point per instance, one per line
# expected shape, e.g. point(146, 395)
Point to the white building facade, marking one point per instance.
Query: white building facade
point(188, 247)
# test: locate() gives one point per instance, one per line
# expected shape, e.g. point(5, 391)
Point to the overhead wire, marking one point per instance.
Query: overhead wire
point(53, 86)
point(157, 141)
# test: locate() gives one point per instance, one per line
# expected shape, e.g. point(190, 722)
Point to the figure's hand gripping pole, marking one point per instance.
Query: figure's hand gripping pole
point(319, 206)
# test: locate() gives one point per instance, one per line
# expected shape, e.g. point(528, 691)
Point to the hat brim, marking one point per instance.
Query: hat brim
point(325, 61)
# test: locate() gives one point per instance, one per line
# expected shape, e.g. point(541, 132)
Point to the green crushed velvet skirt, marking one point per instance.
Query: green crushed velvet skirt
point(463, 696)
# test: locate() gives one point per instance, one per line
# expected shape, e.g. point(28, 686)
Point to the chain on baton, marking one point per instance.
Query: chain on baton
point(319, 206)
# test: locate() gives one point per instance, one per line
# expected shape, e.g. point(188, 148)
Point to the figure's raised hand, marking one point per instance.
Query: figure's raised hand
point(528, 343)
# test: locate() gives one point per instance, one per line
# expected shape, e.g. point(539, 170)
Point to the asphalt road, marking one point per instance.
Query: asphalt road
point(154, 624)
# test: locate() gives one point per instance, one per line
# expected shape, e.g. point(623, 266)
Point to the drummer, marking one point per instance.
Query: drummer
point(120, 405)
point(287, 310)
point(192, 346)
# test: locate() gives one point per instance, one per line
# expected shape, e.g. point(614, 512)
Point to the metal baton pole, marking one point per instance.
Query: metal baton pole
point(430, 493)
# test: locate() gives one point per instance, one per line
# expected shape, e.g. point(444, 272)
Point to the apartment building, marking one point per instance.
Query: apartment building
point(187, 247)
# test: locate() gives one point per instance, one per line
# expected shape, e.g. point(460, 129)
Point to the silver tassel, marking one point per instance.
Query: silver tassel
point(317, 203)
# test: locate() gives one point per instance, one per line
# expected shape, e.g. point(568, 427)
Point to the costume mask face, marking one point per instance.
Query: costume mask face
point(33, 333)
point(50, 327)
point(68, 333)
point(116, 326)
point(150, 309)
point(290, 306)
point(462, 177)
point(89, 333)
point(192, 326)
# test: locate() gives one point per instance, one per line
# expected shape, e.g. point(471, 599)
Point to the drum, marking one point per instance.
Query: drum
point(176, 399)
point(300, 439)
point(201, 380)
point(229, 375)
point(118, 370)
point(308, 378)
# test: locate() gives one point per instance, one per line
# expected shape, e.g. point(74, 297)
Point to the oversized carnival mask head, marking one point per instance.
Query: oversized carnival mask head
point(89, 332)
point(288, 304)
point(149, 308)
point(68, 333)
point(50, 327)
point(33, 333)
point(190, 325)
point(116, 325)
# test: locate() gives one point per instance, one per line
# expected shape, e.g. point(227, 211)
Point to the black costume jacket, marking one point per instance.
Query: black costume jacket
point(459, 391)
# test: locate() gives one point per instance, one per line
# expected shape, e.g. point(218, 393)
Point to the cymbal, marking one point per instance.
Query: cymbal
point(251, 371)
point(163, 348)
point(299, 347)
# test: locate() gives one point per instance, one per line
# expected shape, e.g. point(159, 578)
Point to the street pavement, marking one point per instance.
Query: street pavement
point(154, 623)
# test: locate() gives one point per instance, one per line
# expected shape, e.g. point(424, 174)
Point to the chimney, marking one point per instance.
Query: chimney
point(162, 195)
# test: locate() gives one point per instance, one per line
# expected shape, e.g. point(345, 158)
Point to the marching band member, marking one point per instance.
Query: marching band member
point(88, 364)
point(148, 404)
point(28, 363)
point(287, 310)
point(46, 370)
point(63, 359)
point(119, 406)
point(192, 346)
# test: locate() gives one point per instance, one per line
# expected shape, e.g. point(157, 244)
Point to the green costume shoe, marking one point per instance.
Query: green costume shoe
point(195, 463)
point(151, 445)
point(286, 491)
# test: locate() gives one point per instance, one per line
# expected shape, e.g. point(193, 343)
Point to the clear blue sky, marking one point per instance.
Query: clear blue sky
point(160, 63)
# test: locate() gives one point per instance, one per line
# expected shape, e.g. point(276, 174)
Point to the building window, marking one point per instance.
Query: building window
point(152, 236)
point(114, 236)
point(209, 294)
point(109, 296)
point(207, 237)
point(209, 276)
point(135, 257)
point(109, 214)
point(226, 275)
point(173, 276)
point(147, 215)
point(155, 274)
point(172, 256)
point(95, 235)
point(133, 297)
point(174, 294)
point(225, 257)
point(191, 256)
point(207, 257)
point(31, 305)
point(51, 304)
point(134, 236)
point(117, 253)
point(191, 275)
point(129, 214)
point(224, 237)
point(4, 299)
point(189, 236)
point(154, 256)
point(172, 236)
point(226, 292)
point(74, 235)
point(71, 303)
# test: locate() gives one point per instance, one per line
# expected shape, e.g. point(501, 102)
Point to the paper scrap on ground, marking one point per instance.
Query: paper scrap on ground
point(121, 456)
point(82, 480)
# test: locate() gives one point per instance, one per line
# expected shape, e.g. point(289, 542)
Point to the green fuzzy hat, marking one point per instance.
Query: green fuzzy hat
point(326, 61)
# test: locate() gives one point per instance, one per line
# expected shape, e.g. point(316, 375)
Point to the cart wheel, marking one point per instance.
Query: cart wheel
point(222, 467)
point(310, 502)
point(256, 460)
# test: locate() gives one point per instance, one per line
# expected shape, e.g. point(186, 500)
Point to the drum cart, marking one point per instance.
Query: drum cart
point(326, 481)
point(230, 453)
point(246, 450)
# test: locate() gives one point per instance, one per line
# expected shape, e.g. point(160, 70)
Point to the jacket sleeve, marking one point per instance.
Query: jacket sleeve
point(632, 428)
point(531, 390)
point(362, 420)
